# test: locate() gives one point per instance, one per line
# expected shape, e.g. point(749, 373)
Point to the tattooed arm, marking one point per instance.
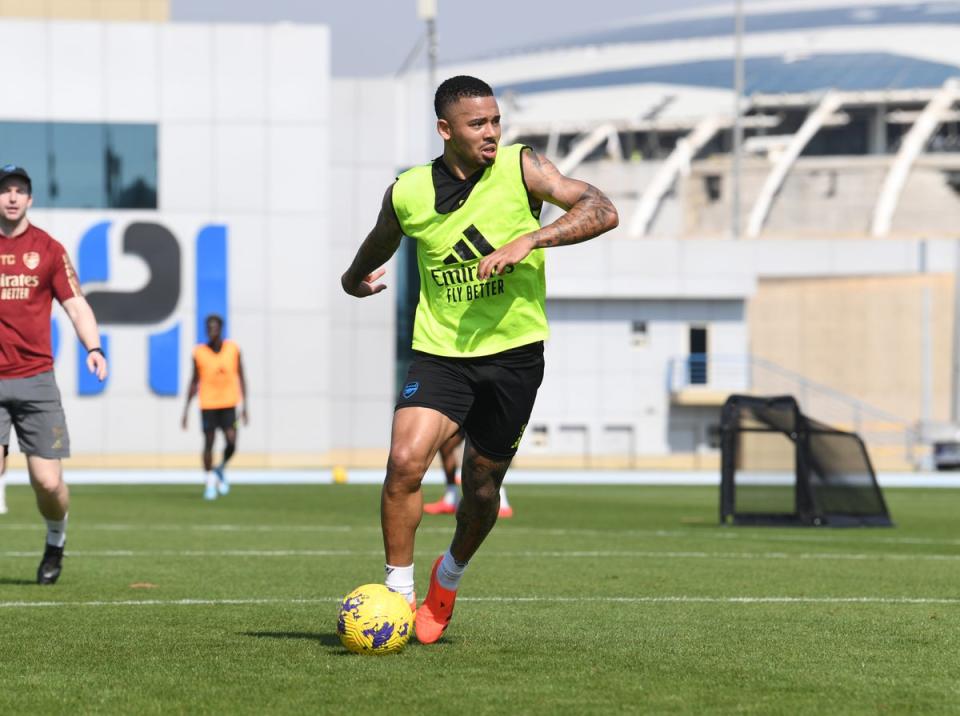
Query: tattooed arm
point(589, 214)
point(360, 279)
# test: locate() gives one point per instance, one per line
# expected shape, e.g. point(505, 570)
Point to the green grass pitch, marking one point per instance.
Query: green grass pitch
point(592, 600)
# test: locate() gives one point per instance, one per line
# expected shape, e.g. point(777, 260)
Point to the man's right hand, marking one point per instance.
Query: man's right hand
point(381, 243)
point(366, 287)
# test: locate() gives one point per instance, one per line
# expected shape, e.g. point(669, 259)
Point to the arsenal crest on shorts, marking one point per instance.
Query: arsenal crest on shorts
point(31, 259)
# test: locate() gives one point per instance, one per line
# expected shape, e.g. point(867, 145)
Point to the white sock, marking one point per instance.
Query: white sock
point(211, 479)
point(400, 579)
point(450, 571)
point(452, 495)
point(504, 502)
point(3, 494)
point(57, 532)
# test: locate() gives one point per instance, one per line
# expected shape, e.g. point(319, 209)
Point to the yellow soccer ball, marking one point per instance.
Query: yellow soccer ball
point(374, 620)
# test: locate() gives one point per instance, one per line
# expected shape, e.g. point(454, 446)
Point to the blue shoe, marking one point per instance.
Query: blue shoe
point(223, 487)
point(210, 492)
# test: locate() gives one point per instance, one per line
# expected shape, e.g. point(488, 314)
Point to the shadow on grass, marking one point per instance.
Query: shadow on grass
point(327, 640)
point(701, 522)
point(324, 639)
point(18, 582)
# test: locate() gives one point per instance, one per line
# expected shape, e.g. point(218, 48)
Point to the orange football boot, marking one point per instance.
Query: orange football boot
point(440, 507)
point(505, 511)
point(434, 614)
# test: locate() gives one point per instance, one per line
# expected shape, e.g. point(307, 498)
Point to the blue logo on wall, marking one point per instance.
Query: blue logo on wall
point(410, 388)
point(155, 302)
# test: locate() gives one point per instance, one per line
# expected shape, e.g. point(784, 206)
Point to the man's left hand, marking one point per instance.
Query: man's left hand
point(97, 364)
point(507, 255)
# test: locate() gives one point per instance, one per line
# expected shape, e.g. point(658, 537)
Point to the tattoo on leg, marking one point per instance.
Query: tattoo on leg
point(477, 511)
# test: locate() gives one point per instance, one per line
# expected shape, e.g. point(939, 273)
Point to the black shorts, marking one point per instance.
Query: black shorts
point(222, 418)
point(490, 397)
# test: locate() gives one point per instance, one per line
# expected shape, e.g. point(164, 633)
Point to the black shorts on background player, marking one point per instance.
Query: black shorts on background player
point(222, 418)
point(490, 397)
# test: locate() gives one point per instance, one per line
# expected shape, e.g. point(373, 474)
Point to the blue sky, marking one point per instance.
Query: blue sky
point(374, 37)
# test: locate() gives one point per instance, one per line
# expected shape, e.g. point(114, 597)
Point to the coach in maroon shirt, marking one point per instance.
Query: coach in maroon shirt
point(35, 269)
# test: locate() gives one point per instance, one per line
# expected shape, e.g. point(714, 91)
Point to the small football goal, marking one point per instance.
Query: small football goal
point(781, 467)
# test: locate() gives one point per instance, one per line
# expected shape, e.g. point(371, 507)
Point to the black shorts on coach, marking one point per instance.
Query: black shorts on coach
point(222, 418)
point(490, 397)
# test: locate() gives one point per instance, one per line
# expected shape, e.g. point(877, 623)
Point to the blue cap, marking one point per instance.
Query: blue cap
point(12, 170)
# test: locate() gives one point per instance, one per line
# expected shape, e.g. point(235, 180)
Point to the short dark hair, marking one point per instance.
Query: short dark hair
point(214, 317)
point(457, 88)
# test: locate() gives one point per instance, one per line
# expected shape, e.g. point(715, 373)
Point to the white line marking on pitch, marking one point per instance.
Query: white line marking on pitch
point(727, 600)
point(740, 555)
point(533, 554)
point(209, 553)
point(34, 527)
point(205, 553)
point(507, 600)
point(201, 528)
point(732, 534)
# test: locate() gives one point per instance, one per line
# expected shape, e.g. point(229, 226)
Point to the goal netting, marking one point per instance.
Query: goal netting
point(781, 467)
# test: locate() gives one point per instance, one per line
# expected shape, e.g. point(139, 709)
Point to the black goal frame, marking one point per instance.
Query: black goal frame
point(814, 475)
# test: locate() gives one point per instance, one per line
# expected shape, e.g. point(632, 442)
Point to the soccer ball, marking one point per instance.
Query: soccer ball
point(374, 619)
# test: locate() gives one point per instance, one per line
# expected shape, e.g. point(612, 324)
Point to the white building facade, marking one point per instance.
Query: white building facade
point(191, 169)
point(186, 170)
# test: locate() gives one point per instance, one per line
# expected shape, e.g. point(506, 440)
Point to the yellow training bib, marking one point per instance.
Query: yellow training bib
point(459, 315)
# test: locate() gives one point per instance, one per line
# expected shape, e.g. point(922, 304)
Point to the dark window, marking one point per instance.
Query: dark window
point(77, 158)
point(953, 180)
point(25, 144)
point(713, 436)
point(131, 167)
point(85, 165)
point(698, 355)
point(850, 138)
point(713, 185)
point(537, 142)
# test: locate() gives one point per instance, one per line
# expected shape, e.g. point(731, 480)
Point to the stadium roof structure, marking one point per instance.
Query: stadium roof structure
point(717, 21)
point(674, 73)
point(783, 73)
point(788, 47)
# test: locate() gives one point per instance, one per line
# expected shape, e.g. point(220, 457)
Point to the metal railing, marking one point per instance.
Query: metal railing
point(751, 374)
point(708, 371)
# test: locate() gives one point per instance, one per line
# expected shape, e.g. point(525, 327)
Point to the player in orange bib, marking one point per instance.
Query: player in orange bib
point(218, 378)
